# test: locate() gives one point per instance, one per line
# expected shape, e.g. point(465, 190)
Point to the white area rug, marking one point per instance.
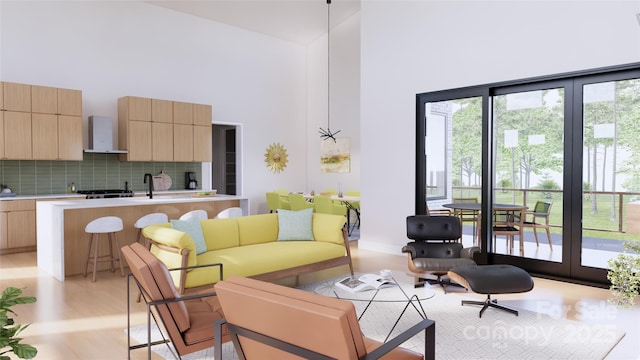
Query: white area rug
point(461, 334)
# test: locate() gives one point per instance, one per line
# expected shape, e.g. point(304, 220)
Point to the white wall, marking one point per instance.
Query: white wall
point(118, 48)
point(411, 47)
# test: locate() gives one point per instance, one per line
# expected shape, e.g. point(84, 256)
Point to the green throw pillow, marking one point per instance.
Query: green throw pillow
point(194, 229)
point(295, 225)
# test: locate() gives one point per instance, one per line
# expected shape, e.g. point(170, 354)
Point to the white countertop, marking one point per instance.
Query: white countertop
point(133, 201)
point(81, 196)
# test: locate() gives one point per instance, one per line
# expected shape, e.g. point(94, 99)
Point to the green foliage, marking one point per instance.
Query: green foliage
point(624, 274)
point(9, 340)
point(547, 184)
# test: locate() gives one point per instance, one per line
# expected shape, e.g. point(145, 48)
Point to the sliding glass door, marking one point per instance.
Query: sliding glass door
point(563, 147)
point(610, 113)
point(528, 168)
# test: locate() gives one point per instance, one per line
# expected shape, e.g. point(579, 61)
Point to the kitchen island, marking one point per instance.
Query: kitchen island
point(62, 242)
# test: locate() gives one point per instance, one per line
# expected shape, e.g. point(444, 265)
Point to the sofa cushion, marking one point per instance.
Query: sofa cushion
point(220, 233)
point(257, 229)
point(192, 227)
point(295, 225)
point(261, 258)
point(328, 228)
point(173, 238)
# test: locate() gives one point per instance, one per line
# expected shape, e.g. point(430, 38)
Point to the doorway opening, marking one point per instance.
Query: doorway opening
point(226, 156)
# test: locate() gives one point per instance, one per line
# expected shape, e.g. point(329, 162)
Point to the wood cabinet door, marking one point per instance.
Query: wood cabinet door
point(202, 114)
point(17, 135)
point(17, 97)
point(21, 228)
point(2, 156)
point(202, 144)
point(44, 99)
point(138, 108)
point(182, 113)
point(70, 102)
point(69, 137)
point(44, 136)
point(182, 142)
point(162, 142)
point(162, 111)
point(139, 141)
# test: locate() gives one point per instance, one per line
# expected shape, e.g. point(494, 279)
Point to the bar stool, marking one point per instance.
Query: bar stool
point(105, 225)
point(198, 214)
point(232, 212)
point(149, 219)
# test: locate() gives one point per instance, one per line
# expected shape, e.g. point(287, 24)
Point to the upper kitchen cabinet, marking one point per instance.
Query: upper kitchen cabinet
point(202, 115)
point(182, 113)
point(17, 135)
point(134, 128)
point(170, 133)
point(162, 111)
point(56, 111)
point(161, 130)
point(32, 128)
point(16, 97)
point(202, 138)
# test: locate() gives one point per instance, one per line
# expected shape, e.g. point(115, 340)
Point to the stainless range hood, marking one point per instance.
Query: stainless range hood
point(101, 136)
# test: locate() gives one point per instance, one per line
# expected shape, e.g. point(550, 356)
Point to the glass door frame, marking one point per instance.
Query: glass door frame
point(570, 268)
point(551, 268)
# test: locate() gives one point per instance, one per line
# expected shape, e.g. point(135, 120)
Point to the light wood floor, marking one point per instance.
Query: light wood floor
point(79, 319)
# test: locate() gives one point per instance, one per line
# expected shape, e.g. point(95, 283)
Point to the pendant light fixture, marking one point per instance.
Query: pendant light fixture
point(328, 134)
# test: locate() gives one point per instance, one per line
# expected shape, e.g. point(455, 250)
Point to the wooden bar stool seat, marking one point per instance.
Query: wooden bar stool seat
point(105, 225)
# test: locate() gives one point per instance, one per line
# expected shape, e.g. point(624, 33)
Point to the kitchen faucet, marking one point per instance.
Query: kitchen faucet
point(150, 192)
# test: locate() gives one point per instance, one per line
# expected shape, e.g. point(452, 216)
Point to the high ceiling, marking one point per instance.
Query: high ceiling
point(300, 21)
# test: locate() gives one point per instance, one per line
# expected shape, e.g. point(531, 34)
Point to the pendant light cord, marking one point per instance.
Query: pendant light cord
point(327, 134)
point(328, 64)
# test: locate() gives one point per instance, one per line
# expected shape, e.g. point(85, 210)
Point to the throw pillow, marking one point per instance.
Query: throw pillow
point(193, 228)
point(295, 225)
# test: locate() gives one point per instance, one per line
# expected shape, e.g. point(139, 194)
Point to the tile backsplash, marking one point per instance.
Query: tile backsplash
point(95, 171)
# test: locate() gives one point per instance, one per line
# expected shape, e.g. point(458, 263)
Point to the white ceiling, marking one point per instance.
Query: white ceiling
point(300, 21)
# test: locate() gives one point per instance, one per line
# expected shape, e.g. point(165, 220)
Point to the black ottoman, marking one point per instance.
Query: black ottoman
point(492, 279)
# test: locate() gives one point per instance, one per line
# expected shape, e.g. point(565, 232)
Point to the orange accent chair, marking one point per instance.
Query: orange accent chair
point(187, 321)
point(269, 321)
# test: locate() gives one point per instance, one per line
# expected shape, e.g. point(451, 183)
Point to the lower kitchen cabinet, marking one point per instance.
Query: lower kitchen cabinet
point(17, 226)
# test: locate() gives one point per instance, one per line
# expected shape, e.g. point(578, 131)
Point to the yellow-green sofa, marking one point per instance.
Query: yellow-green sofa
point(248, 246)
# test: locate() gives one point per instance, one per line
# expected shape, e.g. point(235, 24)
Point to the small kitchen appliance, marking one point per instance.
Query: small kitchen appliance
point(190, 180)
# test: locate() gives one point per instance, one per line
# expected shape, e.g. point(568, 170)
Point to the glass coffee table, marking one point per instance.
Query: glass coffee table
point(394, 292)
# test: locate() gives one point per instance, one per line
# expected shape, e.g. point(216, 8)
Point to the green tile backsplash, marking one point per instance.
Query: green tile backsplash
point(96, 171)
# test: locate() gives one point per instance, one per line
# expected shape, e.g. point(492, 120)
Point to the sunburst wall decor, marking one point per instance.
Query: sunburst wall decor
point(276, 158)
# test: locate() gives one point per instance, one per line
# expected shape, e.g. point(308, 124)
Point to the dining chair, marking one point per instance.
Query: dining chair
point(275, 202)
point(436, 212)
point(470, 216)
point(355, 206)
point(298, 202)
point(324, 205)
point(541, 211)
point(509, 221)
